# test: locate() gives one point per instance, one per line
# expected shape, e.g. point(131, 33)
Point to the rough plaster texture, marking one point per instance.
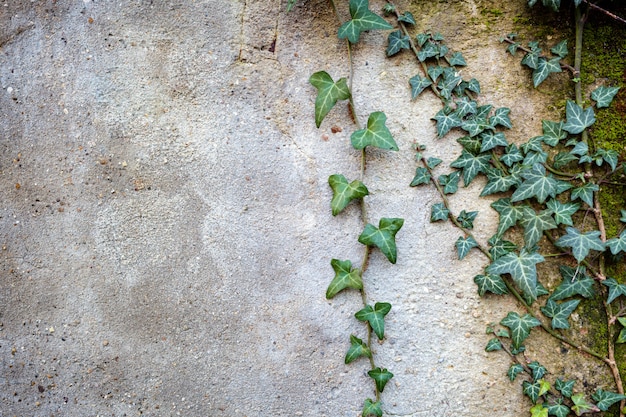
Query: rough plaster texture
point(165, 224)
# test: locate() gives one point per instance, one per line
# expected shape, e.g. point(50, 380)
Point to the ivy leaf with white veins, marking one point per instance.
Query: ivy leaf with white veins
point(532, 390)
point(383, 236)
point(534, 225)
point(538, 370)
point(610, 156)
point(552, 132)
point(520, 326)
point(375, 134)
point(465, 106)
point(497, 182)
point(418, 84)
point(445, 122)
point(375, 317)
point(380, 377)
point(559, 312)
point(362, 19)
point(371, 408)
point(439, 212)
point(493, 345)
point(536, 184)
point(585, 193)
point(490, 283)
point(571, 285)
point(558, 410)
point(562, 159)
point(476, 125)
point(533, 158)
point(490, 140)
point(407, 17)
point(511, 155)
point(345, 277)
point(545, 68)
point(605, 399)
point(565, 387)
point(522, 268)
point(509, 214)
point(357, 349)
point(457, 60)
point(500, 247)
point(621, 338)
point(471, 165)
point(615, 289)
point(397, 41)
point(603, 96)
point(466, 219)
point(434, 71)
point(328, 92)
point(450, 183)
point(471, 145)
point(464, 245)
point(344, 192)
point(563, 211)
point(617, 244)
point(514, 371)
point(422, 176)
point(432, 162)
point(581, 243)
point(577, 119)
point(501, 118)
point(560, 49)
point(581, 406)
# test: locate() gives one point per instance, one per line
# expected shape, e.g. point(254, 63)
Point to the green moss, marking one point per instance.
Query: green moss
point(492, 12)
point(604, 52)
point(612, 200)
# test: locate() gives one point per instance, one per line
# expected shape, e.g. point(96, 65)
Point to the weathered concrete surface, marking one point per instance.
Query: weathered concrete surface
point(165, 224)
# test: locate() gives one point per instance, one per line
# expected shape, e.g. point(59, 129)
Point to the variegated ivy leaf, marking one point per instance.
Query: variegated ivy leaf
point(471, 165)
point(565, 387)
point(581, 243)
point(490, 140)
point(345, 277)
point(407, 17)
point(605, 399)
point(446, 121)
point(328, 92)
point(535, 224)
point(450, 183)
point(509, 214)
point(536, 184)
point(544, 68)
point(575, 282)
point(490, 283)
point(563, 211)
point(581, 406)
point(464, 245)
point(497, 182)
point(375, 134)
point(615, 289)
point(457, 60)
point(617, 244)
point(383, 236)
point(357, 349)
point(422, 176)
point(553, 132)
point(418, 84)
point(471, 145)
point(380, 377)
point(585, 193)
point(500, 247)
point(531, 60)
point(363, 19)
point(520, 326)
point(560, 49)
point(533, 144)
point(397, 41)
point(466, 219)
point(344, 192)
point(559, 312)
point(493, 345)
point(375, 317)
point(372, 409)
point(522, 268)
point(577, 119)
point(439, 212)
point(603, 96)
point(514, 371)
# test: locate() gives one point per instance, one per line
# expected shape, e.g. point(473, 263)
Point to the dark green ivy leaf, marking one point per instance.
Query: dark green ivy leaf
point(476, 125)
point(535, 224)
point(344, 192)
point(490, 283)
point(465, 106)
point(362, 20)
point(615, 289)
point(376, 134)
point(474, 85)
point(493, 345)
point(375, 317)
point(603, 96)
point(511, 155)
point(558, 410)
point(509, 214)
point(464, 245)
point(439, 212)
point(531, 60)
point(422, 176)
point(407, 17)
point(345, 277)
point(581, 243)
point(457, 60)
point(421, 38)
point(429, 50)
point(536, 184)
point(328, 92)
point(471, 145)
point(544, 68)
point(559, 312)
point(538, 370)
point(514, 371)
point(533, 158)
point(466, 219)
point(553, 132)
point(357, 349)
point(605, 399)
point(372, 409)
point(418, 84)
point(434, 71)
point(381, 377)
point(450, 183)
point(433, 162)
point(562, 159)
point(445, 122)
point(560, 49)
point(497, 182)
point(563, 211)
point(532, 390)
point(500, 247)
point(397, 41)
point(565, 387)
point(383, 236)
point(490, 140)
point(577, 119)
point(585, 193)
point(520, 326)
point(574, 283)
point(472, 165)
point(449, 82)
point(617, 244)
point(522, 269)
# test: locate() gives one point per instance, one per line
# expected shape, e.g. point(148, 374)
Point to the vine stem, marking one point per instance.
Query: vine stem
point(606, 12)
point(575, 72)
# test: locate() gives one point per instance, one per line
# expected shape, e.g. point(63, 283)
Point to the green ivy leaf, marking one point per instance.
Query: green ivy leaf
point(475, 125)
point(610, 156)
point(457, 60)
point(490, 140)
point(617, 244)
point(553, 132)
point(471, 145)
point(585, 193)
point(345, 277)
point(407, 17)
point(397, 41)
point(465, 106)
point(533, 158)
point(563, 211)
point(559, 312)
point(490, 283)
point(511, 155)
point(450, 183)
point(565, 387)
point(466, 219)
point(581, 243)
point(622, 334)
point(497, 182)
point(544, 387)
point(464, 245)
point(439, 212)
point(421, 38)
point(376, 134)
point(562, 159)
point(603, 96)
point(418, 84)
point(615, 289)
point(560, 49)
point(445, 122)
point(375, 317)
point(531, 60)
point(434, 71)
point(536, 184)
point(532, 390)
point(581, 406)
point(371, 408)
point(535, 224)
point(501, 118)
point(429, 50)
point(522, 269)
point(509, 214)
point(605, 399)
point(538, 410)
point(577, 119)
point(544, 68)
point(422, 176)
point(558, 410)
point(328, 92)
point(383, 236)
point(344, 192)
point(574, 283)
point(538, 370)
point(493, 345)
point(381, 377)
point(362, 20)
point(290, 5)
point(623, 214)
point(449, 82)
point(520, 326)
point(357, 349)
point(500, 247)
point(514, 371)
point(471, 165)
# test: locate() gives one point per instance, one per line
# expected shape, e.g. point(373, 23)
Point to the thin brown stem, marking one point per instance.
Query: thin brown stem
point(606, 12)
